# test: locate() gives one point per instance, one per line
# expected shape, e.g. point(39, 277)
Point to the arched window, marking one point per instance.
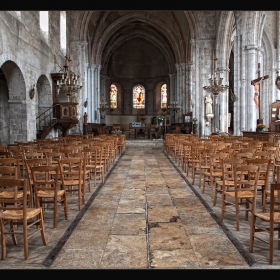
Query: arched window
point(44, 23)
point(113, 96)
point(138, 97)
point(163, 97)
point(63, 31)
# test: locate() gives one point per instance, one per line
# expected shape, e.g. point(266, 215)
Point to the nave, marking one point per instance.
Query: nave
point(146, 215)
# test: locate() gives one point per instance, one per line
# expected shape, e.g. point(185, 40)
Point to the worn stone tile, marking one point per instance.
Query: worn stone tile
point(221, 252)
point(199, 223)
point(159, 214)
point(77, 259)
point(168, 236)
point(180, 192)
point(131, 224)
point(131, 206)
point(189, 205)
point(125, 252)
point(159, 199)
point(97, 212)
point(138, 194)
point(172, 259)
point(156, 188)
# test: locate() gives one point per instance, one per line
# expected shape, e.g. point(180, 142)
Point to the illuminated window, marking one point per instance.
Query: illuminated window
point(113, 96)
point(44, 22)
point(63, 31)
point(163, 97)
point(138, 97)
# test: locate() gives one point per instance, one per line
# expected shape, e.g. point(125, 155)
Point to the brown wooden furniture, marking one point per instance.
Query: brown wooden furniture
point(71, 173)
point(47, 190)
point(14, 211)
point(244, 192)
point(267, 222)
point(262, 136)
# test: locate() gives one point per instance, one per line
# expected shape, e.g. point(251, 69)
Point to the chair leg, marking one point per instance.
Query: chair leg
point(54, 212)
point(271, 232)
point(42, 228)
point(252, 233)
point(25, 240)
point(3, 240)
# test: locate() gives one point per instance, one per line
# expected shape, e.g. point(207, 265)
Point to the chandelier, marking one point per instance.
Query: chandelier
point(173, 106)
point(215, 83)
point(69, 82)
point(103, 106)
point(215, 87)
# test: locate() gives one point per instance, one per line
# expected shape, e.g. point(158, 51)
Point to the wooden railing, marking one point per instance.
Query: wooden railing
point(45, 118)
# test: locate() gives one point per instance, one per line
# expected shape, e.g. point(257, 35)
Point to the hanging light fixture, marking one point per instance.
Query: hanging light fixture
point(215, 87)
point(69, 82)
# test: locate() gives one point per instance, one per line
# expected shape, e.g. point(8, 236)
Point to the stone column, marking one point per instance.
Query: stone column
point(252, 111)
point(189, 87)
point(223, 100)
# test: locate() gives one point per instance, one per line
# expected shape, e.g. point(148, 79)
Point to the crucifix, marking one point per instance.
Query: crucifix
point(257, 91)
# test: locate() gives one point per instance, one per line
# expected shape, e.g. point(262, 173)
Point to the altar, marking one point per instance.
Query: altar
point(262, 136)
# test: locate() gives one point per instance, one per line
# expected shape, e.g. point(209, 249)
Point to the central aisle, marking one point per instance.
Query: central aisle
point(146, 216)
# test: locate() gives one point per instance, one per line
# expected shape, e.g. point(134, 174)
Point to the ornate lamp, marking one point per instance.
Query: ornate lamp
point(215, 87)
point(69, 82)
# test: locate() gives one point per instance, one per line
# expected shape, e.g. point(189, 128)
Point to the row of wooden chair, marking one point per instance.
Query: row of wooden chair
point(237, 172)
point(36, 179)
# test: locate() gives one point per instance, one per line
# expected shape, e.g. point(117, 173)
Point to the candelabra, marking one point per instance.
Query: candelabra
point(69, 82)
point(215, 87)
point(174, 106)
point(103, 107)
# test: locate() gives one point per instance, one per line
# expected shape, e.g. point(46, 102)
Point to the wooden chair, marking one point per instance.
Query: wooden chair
point(71, 172)
point(14, 211)
point(267, 222)
point(215, 171)
point(227, 181)
point(244, 192)
point(95, 162)
point(47, 190)
point(264, 165)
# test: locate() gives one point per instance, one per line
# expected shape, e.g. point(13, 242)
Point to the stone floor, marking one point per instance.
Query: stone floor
point(146, 215)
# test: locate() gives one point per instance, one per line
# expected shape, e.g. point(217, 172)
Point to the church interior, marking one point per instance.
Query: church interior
point(142, 74)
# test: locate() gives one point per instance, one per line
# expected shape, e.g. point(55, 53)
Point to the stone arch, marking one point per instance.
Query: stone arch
point(102, 37)
point(44, 94)
point(223, 42)
point(15, 117)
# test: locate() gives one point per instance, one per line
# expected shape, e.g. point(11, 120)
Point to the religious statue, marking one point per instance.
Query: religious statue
point(208, 102)
point(85, 118)
point(257, 92)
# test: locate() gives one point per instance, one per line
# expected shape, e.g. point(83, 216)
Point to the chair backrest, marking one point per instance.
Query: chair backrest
point(45, 178)
point(246, 178)
point(228, 165)
point(33, 162)
point(274, 202)
point(11, 162)
point(12, 200)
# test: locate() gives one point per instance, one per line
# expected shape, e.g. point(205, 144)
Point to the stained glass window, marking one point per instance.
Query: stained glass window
point(163, 91)
point(113, 96)
point(138, 97)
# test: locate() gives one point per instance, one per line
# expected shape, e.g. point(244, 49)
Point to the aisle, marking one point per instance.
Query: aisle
point(146, 216)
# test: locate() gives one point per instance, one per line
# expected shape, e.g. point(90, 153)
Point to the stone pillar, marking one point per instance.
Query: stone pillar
point(223, 101)
point(252, 111)
point(189, 86)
